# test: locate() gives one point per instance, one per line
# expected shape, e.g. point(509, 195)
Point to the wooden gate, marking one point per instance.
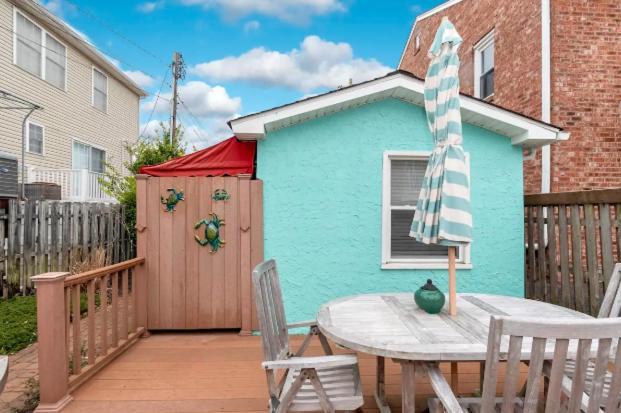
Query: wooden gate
point(189, 286)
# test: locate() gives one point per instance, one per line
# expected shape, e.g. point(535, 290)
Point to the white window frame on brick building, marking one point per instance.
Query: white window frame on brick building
point(484, 65)
point(422, 256)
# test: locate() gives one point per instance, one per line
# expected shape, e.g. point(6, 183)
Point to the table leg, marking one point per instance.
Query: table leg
point(408, 382)
point(380, 385)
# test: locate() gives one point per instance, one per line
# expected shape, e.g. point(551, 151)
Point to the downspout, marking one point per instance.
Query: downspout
point(545, 91)
point(23, 192)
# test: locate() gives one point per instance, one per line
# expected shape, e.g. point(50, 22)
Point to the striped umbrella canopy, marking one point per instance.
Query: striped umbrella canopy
point(443, 209)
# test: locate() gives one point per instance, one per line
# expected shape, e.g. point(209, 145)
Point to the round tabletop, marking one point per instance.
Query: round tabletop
point(392, 325)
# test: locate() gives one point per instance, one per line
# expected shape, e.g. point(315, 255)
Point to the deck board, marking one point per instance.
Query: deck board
point(213, 372)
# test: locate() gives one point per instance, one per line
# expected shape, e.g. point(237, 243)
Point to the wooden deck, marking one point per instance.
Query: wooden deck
point(213, 372)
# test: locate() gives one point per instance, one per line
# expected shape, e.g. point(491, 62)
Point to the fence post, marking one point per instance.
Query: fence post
point(84, 184)
point(53, 352)
point(140, 272)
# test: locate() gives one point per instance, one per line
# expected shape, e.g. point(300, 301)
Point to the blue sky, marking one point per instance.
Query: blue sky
point(242, 56)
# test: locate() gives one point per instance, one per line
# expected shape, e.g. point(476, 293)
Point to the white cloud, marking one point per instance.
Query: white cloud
point(58, 7)
point(195, 136)
point(316, 64)
point(201, 99)
point(140, 78)
point(150, 6)
point(252, 25)
point(293, 11)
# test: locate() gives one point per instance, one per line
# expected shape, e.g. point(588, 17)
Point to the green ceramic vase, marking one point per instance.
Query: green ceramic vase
point(429, 298)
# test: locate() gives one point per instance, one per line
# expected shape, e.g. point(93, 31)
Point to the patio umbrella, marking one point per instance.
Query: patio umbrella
point(443, 209)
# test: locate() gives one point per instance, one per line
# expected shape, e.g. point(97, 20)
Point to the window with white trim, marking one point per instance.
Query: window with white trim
point(100, 90)
point(38, 52)
point(484, 67)
point(35, 138)
point(85, 156)
point(402, 180)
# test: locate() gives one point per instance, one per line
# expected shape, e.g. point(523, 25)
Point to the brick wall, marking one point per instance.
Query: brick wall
point(586, 93)
point(586, 78)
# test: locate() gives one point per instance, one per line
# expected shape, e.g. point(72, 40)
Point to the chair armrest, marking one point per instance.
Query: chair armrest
point(311, 362)
point(441, 387)
point(307, 323)
point(4, 371)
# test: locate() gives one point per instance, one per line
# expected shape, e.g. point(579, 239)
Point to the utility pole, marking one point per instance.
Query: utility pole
point(178, 71)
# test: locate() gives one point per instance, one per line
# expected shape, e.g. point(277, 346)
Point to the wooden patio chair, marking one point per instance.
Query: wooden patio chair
point(610, 307)
point(4, 371)
point(563, 394)
point(328, 383)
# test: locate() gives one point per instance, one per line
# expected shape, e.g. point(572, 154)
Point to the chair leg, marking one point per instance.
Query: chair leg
point(324, 401)
point(287, 399)
point(323, 340)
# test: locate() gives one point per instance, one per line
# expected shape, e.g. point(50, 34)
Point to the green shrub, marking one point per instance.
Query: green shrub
point(18, 323)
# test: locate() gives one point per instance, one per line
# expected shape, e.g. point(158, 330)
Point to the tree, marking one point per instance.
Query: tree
point(144, 152)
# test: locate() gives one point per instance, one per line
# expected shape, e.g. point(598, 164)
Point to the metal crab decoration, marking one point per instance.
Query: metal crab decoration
point(172, 200)
point(212, 232)
point(220, 195)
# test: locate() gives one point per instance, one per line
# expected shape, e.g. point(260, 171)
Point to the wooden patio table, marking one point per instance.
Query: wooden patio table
point(391, 325)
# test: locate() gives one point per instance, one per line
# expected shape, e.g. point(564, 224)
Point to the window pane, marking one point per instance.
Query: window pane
point(487, 84)
point(81, 156)
point(100, 81)
point(100, 90)
point(28, 45)
point(98, 159)
point(55, 62)
point(100, 101)
point(487, 56)
point(406, 180)
point(35, 139)
point(403, 246)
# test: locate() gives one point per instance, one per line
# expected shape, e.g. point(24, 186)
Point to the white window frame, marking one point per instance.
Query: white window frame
point(101, 148)
point(481, 45)
point(43, 46)
point(389, 263)
point(28, 138)
point(94, 68)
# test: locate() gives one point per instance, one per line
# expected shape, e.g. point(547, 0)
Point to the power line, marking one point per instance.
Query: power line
point(113, 30)
point(157, 98)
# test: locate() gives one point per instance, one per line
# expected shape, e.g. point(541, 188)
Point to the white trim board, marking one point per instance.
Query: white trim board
point(401, 85)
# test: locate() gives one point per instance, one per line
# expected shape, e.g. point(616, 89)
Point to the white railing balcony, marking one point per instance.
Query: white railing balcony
point(75, 184)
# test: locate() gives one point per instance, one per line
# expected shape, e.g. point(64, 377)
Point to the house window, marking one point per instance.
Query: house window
point(88, 157)
point(37, 52)
point(100, 90)
point(484, 67)
point(403, 178)
point(35, 138)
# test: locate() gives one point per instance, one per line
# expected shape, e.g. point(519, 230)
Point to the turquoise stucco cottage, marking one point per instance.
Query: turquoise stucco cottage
point(341, 175)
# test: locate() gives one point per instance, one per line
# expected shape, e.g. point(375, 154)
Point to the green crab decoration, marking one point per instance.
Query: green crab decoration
point(212, 232)
point(172, 200)
point(220, 195)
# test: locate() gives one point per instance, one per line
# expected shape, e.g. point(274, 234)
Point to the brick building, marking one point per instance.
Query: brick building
point(555, 60)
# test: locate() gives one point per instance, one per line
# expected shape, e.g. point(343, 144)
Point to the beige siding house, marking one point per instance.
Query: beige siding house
point(90, 108)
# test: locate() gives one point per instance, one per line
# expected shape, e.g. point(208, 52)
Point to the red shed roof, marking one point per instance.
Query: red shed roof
point(230, 157)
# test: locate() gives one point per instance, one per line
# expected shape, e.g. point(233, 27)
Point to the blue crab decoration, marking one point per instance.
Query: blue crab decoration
point(212, 232)
point(220, 195)
point(172, 200)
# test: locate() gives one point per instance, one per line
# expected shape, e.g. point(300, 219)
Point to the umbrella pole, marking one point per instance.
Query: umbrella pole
point(452, 282)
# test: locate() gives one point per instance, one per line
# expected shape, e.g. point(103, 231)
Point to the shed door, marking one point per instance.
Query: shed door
point(189, 286)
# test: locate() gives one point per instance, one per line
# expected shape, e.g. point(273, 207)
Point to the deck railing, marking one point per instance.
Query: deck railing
point(573, 240)
point(85, 321)
point(75, 184)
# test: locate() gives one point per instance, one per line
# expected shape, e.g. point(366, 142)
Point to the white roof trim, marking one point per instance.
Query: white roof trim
point(423, 16)
point(399, 85)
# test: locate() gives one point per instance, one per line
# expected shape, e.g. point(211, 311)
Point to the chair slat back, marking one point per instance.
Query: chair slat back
point(611, 305)
point(270, 311)
point(551, 344)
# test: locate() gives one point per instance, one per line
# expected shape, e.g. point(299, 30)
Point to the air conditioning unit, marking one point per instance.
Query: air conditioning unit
point(8, 176)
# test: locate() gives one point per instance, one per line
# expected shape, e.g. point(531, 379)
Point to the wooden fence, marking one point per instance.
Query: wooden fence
point(573, 240)
point(76, 341)
point(42, 236)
